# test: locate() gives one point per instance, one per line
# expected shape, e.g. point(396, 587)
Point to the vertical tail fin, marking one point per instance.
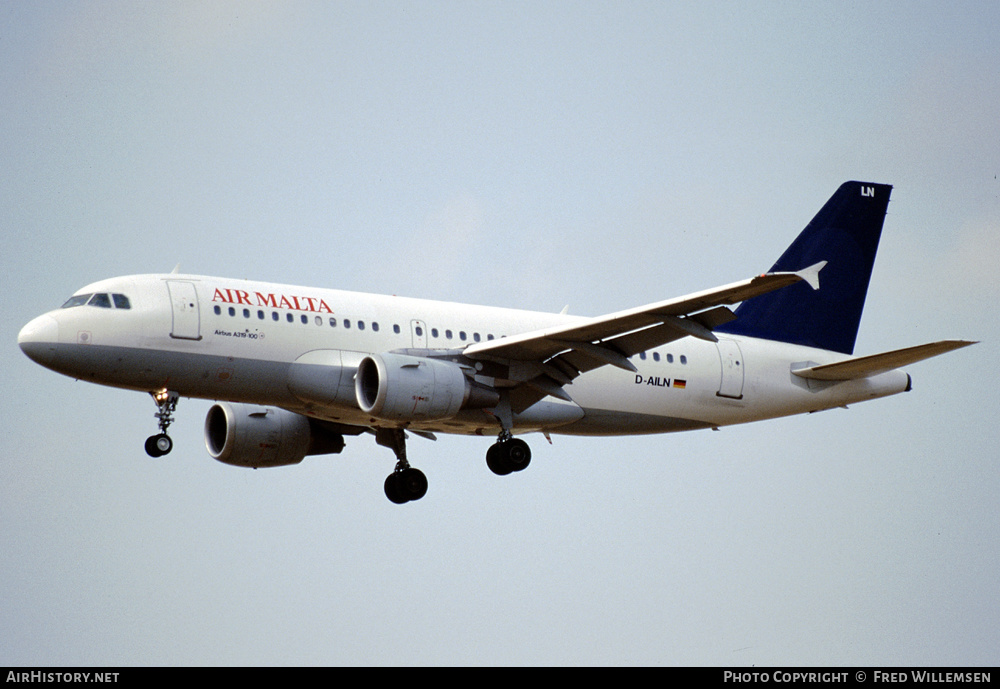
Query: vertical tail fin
point(845, 233)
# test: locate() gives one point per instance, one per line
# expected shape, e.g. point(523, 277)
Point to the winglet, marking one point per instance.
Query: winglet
point(811, 274)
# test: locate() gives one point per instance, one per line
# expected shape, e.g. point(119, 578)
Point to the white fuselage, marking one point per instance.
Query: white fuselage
point(298, 348)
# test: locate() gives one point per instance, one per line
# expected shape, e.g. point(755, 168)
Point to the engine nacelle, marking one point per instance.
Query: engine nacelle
point(248, 435)
point(398, 387)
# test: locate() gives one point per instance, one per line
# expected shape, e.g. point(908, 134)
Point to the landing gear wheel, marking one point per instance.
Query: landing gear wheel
point(414, 483)
point(507, 456)
point(518, 454)
point(495, 461)
point(393, 490)
point(159, 445)
point(404, 486)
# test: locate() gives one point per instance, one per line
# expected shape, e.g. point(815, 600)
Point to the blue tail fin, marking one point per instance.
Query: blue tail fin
point(845, 234)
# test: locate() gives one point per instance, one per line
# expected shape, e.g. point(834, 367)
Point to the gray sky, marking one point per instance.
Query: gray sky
point(601, 155)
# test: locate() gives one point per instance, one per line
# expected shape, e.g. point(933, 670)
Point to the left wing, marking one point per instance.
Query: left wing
point(555, 356)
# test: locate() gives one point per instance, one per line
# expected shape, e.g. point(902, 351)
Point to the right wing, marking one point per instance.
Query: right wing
point(552, 357)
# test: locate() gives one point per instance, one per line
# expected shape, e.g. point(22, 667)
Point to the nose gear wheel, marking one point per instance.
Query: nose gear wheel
point(166, 403)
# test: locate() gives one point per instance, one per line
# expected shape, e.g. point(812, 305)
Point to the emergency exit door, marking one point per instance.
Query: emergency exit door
point(731, 359)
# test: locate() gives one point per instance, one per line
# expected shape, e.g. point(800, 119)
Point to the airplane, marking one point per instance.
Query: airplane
point(293, 370)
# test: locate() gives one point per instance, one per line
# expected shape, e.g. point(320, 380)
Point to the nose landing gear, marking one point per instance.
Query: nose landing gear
point(166, 403)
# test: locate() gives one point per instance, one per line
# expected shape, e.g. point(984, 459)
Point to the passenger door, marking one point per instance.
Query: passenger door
point(186, 324)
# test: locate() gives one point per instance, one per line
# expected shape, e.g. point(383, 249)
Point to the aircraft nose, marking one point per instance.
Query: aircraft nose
point(39, 338)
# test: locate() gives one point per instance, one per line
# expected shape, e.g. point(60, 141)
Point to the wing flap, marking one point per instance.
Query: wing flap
point(866, 366)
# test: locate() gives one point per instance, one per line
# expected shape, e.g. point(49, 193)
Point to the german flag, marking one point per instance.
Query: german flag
point(678, 383)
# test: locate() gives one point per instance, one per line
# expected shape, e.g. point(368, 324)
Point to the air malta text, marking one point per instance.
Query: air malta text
point(275, 301)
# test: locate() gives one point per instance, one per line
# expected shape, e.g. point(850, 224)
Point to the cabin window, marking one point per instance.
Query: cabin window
point(395, 328)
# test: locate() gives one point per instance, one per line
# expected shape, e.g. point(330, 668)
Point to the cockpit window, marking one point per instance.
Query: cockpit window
point(77, 300)
point(100, 299)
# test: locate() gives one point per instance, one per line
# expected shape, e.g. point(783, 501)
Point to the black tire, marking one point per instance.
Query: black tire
point(412, 483)
point(158, 445)
point(393, 489)
point(518, 454)
point(496, 459)
point(164, 444)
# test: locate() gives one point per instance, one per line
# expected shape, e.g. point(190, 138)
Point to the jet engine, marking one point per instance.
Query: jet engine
point(249, 435)
point(398, 387)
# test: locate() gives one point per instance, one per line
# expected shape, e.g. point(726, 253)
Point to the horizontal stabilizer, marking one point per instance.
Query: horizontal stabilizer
point(866, 366)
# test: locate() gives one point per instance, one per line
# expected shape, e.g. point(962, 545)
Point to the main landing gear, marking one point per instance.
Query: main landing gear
point(166, 402)
point(508, 454)
point(405, 483)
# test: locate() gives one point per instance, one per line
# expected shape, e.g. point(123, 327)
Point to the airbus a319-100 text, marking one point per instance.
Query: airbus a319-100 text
point(295, 370)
